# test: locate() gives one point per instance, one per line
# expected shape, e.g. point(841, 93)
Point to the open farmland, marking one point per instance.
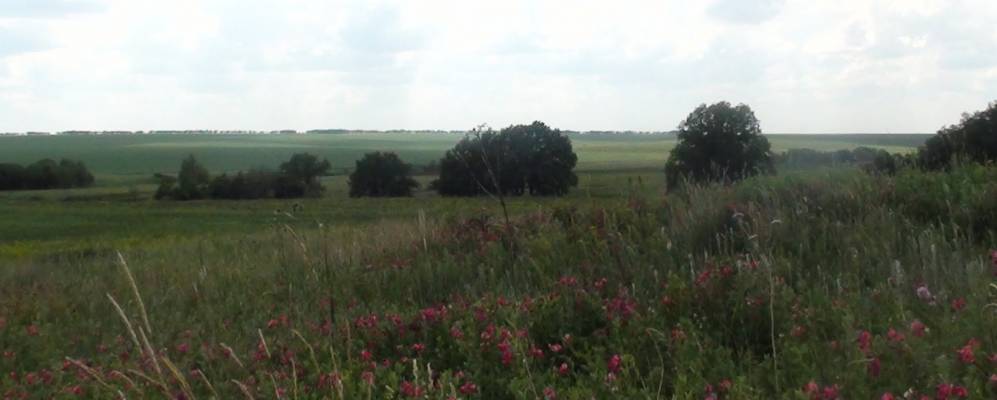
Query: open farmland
point(820, 281)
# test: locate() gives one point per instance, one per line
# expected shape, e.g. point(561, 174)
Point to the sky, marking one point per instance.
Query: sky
point(804, 66)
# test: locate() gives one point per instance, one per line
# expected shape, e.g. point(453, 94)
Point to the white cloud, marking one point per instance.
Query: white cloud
point(804, 66)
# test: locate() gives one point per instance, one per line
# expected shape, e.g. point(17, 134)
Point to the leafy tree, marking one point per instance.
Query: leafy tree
point(301, 174)
point(973, 139)
point(45, 174)
point(884, 163)
point(11, 177)
point(718, 142)
point(519, 159)
point(192, 181)
point(380, 174)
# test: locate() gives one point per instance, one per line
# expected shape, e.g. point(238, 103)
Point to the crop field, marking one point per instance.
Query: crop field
point(817, 284)
point(118, 211)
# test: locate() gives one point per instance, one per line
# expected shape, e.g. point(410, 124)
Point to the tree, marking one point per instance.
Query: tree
point(718, 142)
point(193, 180)
point(301, 174)
point(973, 139)
point(519, 159)
point(380, 174)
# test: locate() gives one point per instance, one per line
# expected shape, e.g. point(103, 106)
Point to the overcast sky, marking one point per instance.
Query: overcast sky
point(802, 65)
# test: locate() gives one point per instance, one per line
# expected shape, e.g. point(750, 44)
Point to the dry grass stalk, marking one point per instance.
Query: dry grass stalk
point(138, 297)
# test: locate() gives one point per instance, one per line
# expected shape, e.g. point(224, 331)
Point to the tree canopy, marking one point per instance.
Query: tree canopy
point(298, 177)
point(45, 174)
point(718, 142)
point(380, 174)
point(519, 159)
point(973, 139)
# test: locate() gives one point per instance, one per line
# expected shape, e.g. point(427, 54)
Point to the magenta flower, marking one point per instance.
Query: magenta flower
point(614, 363)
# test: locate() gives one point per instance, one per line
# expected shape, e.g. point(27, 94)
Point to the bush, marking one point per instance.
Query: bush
point(298, 178)
point(519, 159)
point(973, 139)
point(301, 174)
point(380, 174)
point(718, 143)
point(45, 174)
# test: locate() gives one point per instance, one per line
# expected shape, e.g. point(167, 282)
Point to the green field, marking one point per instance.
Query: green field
point(809, 284)
point(118, 212)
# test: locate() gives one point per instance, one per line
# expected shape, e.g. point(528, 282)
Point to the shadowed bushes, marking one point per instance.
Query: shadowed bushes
point(45, 174)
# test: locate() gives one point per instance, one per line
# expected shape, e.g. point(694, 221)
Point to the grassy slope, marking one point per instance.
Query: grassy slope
point(839, 253)
point(37, 222)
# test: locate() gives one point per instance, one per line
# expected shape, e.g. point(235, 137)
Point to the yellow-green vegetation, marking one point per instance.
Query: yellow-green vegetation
point(828, 283)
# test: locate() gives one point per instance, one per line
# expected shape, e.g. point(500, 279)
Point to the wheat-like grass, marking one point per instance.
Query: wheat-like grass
point(245, 391)
point(138, 297)
point(93, 374)
point(264, 342)
point(184, 385)
point(151, 353)
point(232, 355)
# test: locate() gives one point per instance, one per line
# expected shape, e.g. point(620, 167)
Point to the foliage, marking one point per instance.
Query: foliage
point(517, 160)
point(380, 174)
point(718, 142)
point(797, 158)
point(45, 174)
point(973, 139)
point(795, 286)
point(192, 180)
point(298, 178)
point(301, 174)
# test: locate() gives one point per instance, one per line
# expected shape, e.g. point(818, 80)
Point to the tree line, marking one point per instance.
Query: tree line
point(298, 177)
point(45, 174)
point(518, 160)
point(721, 142)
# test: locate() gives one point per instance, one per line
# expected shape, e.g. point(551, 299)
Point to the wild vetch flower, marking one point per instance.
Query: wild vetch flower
point(456, 333)
point(409, 389)
point(917, 328)
point(887, 396)
point(864, 340)
point(365, 355)
point(993, 260)
point(614, 363)
point(418, 347)
point(554, 347)
point(811, 388)
point(32, 330)
point(874, 367)
point(966, 352)
point(958, 304)
point(924, 294)
point(563, 369)
point(798, 331)
point(830, 392)
point(468, 388)
point(536, 353)
point(678, 335)
point(368, 377)
point(945, 391)
point(894, 336)
point(182, 348)
point(549, 393)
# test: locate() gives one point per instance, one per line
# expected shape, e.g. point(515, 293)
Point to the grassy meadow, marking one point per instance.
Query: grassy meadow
point(821, 284)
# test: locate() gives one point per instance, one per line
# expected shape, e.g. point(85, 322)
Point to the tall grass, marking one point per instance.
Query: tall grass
point(801, 286)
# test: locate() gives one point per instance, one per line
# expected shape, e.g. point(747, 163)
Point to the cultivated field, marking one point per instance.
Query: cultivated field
point(815, 284)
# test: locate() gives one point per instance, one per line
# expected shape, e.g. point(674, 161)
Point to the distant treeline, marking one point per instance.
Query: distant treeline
point(298, 177)
point(45, 174)
point(590, 134)
point(810, 158)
